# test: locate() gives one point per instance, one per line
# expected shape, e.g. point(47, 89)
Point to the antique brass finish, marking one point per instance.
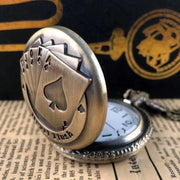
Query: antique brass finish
point(64, 87)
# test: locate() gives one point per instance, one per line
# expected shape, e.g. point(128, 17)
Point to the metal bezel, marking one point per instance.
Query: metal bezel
point(106, 153)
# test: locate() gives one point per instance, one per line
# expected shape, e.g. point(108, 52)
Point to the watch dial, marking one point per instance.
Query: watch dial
point(121, 121)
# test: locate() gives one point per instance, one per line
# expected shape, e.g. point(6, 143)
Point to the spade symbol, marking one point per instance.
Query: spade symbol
point(55, 93)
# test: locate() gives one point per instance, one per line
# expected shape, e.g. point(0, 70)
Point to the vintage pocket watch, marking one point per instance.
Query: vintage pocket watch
point(64, 87)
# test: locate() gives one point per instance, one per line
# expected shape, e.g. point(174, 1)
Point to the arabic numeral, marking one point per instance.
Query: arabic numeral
point(116, 109)
point(127, 123)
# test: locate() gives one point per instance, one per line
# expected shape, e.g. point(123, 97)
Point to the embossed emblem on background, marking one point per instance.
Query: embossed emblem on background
point(152, 47)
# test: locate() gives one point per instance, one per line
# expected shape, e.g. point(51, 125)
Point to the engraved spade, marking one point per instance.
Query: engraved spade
point(114, 47)
point(57, 98)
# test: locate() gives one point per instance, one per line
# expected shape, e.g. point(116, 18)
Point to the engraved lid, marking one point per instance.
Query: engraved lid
point(64, 87)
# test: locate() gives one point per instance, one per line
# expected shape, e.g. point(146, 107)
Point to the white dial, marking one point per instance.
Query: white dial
point(127, 129)
point(121, 122)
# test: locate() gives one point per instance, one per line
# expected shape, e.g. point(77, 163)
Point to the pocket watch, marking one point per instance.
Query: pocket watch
point(65, 90)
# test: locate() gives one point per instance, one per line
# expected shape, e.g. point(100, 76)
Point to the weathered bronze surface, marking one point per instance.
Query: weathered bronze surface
point(64, 87)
